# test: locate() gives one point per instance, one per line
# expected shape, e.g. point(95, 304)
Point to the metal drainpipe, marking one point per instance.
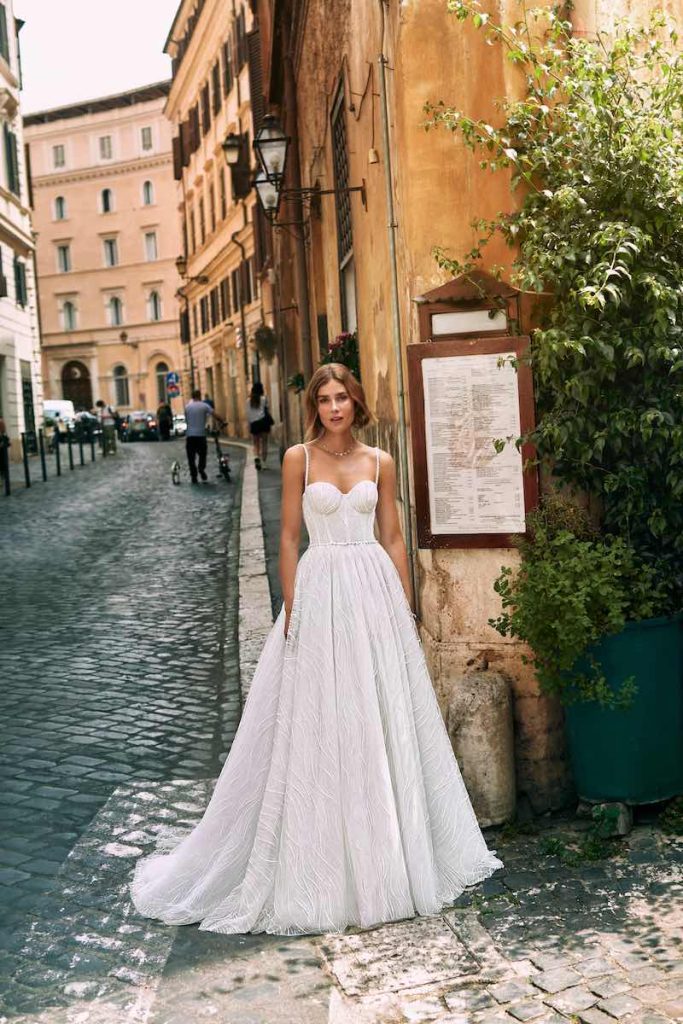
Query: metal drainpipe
point(396, 321)
point(235, 239)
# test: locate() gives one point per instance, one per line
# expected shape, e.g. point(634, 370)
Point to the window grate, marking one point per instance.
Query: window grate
point(340, 162)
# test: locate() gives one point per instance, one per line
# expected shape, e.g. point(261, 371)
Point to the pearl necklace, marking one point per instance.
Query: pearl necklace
point(339, 454)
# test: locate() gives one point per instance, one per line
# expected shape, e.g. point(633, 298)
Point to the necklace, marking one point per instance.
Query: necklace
point(339, 454)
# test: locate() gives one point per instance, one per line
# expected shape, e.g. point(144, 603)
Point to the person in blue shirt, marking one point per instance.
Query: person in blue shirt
point(196, 414)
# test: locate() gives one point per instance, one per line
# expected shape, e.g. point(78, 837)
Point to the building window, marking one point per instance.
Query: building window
point(216, 86)
point(151, 252)
point(146, 138)
point(20, 288)
point(60, 208)
point(214, 302)
point(224, 195)
point(242, 45)
point(204, 312)
point(111, 252)
point(69, 316)
point(148, 193)
point(227, 66)
point(161, 372)
point(202, 223)
point(193, 233)
point(235, 289)
point(340, 163)
point(154, 306)
point(64, 258)
point(121, 392)
point(11, 160)
point(105, 147)
point(225, 297)
point(206, 109)
point(115, 307)
point(212, 208)
point(4, 37)
point(107, 200)
point(195, 322)
point(58, 158)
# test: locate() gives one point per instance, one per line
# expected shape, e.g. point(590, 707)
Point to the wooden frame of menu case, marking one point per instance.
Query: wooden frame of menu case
point(512, 345)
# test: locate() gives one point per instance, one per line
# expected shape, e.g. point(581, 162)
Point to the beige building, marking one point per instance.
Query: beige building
point(216, 60)
point(348, 80)
point(20, 378)
point(107, 241)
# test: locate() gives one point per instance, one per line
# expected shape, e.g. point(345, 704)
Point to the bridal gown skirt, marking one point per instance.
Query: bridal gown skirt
point(341, 802)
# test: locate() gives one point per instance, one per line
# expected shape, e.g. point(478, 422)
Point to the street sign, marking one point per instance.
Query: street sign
point(172, 378)
point(172, 390)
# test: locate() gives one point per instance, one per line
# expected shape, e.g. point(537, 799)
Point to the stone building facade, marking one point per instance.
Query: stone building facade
point(215, 51)
point(324, 62)
point(20, 377)
point(107, 240)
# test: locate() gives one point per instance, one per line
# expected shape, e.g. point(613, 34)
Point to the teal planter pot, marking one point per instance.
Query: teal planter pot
point(634, 755)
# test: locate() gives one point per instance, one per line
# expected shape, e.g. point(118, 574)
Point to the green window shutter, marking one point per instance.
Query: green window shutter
point(11, 159)
point(20, 282)
point(4, 38)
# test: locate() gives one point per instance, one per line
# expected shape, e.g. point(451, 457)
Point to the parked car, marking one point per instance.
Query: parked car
point(179, 426)
point(140, 426)
point(86, 426)
point(60, 412)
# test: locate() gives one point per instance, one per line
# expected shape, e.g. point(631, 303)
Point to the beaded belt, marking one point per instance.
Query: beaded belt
point(339, 543)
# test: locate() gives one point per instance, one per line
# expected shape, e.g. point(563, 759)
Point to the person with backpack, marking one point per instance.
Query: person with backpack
point(260, 422)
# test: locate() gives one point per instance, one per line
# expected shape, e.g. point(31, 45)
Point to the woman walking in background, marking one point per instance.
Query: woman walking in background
point(260, 422)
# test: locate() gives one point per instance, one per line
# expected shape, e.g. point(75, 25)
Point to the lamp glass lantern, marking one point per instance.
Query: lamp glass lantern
point(232, 149)
point(181, 265)
point(271, 147)
point(268, 191)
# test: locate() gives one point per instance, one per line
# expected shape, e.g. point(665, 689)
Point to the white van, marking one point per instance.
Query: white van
point(62, 409)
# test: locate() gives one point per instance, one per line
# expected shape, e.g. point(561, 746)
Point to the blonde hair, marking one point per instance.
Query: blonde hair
point(323, 375)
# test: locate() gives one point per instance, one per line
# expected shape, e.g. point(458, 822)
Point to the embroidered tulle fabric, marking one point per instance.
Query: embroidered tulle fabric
point(341, 802)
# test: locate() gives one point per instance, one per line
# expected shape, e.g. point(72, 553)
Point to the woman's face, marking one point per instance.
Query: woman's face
point(336, 408)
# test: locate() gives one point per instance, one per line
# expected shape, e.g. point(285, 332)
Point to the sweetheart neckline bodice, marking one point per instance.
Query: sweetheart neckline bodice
point(344, 494)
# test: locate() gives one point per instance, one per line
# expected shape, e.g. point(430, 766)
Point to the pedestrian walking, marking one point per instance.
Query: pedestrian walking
point(165, 419)
point(260, 422)
point(341, 802)
point(108, 423)
point(4, 449)
point(196, 416)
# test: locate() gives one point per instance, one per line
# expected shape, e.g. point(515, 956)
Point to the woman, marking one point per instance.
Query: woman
point(341, 802)
point(260, 422)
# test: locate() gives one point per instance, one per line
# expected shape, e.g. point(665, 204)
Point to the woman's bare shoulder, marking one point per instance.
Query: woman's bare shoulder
point(295, 457)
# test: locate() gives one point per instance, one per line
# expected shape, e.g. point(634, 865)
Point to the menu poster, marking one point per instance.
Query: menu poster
point(469, 402)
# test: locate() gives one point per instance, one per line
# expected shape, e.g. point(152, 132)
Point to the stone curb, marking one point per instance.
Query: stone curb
point(255, 618)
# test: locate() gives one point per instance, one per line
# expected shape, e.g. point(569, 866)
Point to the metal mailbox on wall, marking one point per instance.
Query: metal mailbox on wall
point(470, 388)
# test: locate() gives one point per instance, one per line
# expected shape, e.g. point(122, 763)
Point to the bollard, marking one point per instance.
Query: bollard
point(92, 448)
point(58, 454)
point(4, 458)
point(69, 440)
point(24, 450)
point(41, 448)
point(80, 449)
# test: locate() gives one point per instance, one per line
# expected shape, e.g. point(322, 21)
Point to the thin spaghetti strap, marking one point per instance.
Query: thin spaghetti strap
point(306, 473)
point(376, 466)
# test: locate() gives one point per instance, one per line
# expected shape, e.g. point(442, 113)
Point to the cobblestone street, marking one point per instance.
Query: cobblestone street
point(121, 693)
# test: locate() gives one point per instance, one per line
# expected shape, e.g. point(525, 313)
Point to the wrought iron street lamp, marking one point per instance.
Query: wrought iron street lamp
point(232, 149)
point(181, 267)
point(271, 145)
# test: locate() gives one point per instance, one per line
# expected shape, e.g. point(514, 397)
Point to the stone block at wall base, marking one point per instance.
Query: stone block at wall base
point(541, 763)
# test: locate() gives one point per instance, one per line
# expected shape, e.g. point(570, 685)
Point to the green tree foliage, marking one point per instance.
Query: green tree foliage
point(595, 148)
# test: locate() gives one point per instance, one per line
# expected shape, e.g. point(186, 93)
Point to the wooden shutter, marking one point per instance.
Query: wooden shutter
point(185, 326)
point(4, 38)
point(186, 141)
point(177, 158)
point(258, 106)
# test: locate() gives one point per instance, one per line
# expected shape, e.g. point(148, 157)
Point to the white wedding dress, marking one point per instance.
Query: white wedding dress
point(341, 802)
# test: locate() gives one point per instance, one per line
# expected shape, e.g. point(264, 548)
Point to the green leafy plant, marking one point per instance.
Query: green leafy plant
point(594, 148)
point(344, 349)
point(296, 383)
point(573, 588)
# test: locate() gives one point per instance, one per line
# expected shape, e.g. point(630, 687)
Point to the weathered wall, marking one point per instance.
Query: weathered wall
point(439, 190)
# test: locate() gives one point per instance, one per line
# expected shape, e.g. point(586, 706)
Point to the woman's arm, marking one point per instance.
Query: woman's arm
point(390, 536)
point(293, 471)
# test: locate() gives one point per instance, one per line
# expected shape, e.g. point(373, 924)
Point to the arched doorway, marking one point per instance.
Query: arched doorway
point(76, 385)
